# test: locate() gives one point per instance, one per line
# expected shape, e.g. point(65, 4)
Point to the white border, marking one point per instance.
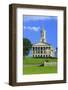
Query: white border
point(39, 77)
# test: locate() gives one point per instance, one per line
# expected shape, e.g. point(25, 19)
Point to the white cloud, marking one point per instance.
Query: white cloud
point(34, 28)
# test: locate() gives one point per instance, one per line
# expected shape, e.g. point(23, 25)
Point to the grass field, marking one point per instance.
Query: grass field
point(40, 69)
point(29, 69)
point(31, 60)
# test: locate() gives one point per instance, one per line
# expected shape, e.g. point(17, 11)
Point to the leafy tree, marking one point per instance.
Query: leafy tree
point(26, 46)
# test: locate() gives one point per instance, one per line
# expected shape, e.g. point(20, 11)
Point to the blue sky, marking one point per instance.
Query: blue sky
point(33, 25)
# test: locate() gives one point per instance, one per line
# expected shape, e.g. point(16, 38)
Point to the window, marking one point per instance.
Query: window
point(41, 51)
point(38, 48)
point(33, 48)
point(35, 55)
point(41, 55)
point(38, 55)
point(41, 48)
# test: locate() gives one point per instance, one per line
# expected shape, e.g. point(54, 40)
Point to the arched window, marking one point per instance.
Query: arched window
point(41, 55)
point(35, 55)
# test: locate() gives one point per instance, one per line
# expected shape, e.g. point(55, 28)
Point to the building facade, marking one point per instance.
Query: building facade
point(42, 49)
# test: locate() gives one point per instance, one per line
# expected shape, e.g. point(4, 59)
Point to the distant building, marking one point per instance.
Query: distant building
point(43, 49)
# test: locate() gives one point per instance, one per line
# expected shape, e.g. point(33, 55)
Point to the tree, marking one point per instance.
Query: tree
point(26, 46)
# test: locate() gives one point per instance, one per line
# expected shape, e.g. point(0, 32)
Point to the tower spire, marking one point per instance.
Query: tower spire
point(43, 35)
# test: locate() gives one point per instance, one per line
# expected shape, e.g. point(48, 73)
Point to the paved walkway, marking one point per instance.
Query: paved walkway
point(50, 63)
point(28, 65)
point(45, 64)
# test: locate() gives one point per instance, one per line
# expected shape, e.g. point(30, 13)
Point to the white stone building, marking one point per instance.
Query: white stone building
point(42, 49)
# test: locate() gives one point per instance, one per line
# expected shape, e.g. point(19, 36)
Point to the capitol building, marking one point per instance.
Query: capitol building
point(43, 49)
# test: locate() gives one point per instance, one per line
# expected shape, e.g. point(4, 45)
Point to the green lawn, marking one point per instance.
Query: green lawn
point(40, 69)
point(29, 69)
point(31, 60)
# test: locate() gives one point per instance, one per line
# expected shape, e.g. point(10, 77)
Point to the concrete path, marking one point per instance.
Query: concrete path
point(45, 64)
